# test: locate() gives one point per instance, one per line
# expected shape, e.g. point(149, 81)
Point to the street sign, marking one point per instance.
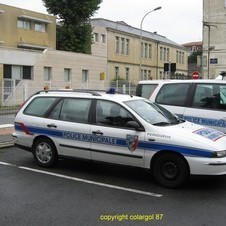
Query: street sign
point(213, 60)
point(195, 74)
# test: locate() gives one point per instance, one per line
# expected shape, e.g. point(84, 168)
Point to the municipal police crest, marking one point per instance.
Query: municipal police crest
point(132, 142)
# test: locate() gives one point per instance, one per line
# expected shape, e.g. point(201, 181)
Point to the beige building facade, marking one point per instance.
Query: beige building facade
point(214, 33)
point(27, 29)
point(29, 60)
point(136, 55)
point(26, 72)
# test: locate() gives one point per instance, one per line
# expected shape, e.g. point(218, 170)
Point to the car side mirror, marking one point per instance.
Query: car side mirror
point(135, 125)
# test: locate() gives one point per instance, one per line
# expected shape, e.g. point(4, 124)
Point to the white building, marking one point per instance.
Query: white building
point(214, 37)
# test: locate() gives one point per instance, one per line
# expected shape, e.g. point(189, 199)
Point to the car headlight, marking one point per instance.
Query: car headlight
point(219, 154)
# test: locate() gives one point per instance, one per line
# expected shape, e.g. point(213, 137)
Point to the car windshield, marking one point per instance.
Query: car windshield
point(153, 113)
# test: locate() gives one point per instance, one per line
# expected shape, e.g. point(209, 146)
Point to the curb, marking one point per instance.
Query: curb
point(6, 139)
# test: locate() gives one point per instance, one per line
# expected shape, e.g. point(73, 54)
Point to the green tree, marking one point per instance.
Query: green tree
point(193, 57)
point(75, 32)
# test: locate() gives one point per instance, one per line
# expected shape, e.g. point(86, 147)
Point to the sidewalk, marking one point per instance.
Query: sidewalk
point(6, 139)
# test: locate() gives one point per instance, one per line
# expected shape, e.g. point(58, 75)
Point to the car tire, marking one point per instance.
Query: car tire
point(44, 152)
point(170, 170)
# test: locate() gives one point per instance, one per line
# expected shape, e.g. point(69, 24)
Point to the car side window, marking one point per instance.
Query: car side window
point(173, 94)
point(211, 96)
point(55, 113)
point(222, 96)
point(145, 90)
point(74, 110)
point(40, 105)
point(112, 114)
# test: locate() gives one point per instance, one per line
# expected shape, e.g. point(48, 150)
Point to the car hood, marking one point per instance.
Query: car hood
point(194, 134)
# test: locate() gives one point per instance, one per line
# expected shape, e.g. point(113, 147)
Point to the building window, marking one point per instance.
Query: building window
point(117, 44)
point(116, 73)
point(182, 58)
point(127, 47)
point(47, 73)
point(149, 50)
point(122, 46)
point(145, 74)
point(142, 49)
point(103, 38)
point(167, 54)
point(24, 24)
point(177, 56)
point(17, 72)
point(96, 37)
point(27, 72)
point(67, 74)
point(164, 54)
point(161, 51)
point(149, 74)
point(40, 27)
point(145, 50)
point(85, 75)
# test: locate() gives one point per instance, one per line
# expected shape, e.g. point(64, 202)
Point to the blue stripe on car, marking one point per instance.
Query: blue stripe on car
point(116, 141)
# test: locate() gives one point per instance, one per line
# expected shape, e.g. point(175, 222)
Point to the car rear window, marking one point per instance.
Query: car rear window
point(39, 106)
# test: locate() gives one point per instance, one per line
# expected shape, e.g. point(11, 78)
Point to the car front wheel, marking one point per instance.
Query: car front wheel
point(170, 170)
point(44, 152)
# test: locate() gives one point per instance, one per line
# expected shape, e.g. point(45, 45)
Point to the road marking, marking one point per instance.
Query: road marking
point(84, 181)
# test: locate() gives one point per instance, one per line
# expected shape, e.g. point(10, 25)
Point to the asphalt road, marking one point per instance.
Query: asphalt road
point(83, 193)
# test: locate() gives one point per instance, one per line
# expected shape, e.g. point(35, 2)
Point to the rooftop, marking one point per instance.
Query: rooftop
point(124, 27)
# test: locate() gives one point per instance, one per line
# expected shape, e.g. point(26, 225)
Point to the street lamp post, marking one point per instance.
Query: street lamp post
point(157, 8)
point(208, 48)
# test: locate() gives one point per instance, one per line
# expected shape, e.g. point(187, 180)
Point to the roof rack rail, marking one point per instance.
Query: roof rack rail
point(93, 92)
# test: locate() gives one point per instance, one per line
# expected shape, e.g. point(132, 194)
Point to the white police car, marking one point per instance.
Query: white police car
point(201, 101)
point(121, 129)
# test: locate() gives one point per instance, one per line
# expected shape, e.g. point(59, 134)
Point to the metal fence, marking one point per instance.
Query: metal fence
point(15, 92)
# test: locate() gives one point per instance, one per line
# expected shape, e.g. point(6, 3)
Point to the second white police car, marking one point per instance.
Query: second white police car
point(120, 129)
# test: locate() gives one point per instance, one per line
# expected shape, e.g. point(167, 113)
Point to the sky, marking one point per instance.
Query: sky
point(177, 20)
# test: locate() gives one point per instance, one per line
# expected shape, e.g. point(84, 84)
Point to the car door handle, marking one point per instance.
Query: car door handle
point(52, 125)
point(98, 132)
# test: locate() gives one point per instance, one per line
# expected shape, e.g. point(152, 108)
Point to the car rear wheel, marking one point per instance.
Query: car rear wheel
point(170, 170)
point(44, 152)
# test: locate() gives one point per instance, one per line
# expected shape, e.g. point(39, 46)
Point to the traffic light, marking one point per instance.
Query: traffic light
point(173, 67)
point(170, 67)
point(166, 67)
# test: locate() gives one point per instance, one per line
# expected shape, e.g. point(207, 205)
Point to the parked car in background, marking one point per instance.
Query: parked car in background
point(199, 101)
point(221, 76)
point(120, 129)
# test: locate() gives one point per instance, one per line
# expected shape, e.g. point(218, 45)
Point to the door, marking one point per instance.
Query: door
point(70, 119)
point(113, 140)
point(208, 106)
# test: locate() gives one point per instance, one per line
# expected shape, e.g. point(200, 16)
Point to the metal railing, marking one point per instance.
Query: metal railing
point(15, 92)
